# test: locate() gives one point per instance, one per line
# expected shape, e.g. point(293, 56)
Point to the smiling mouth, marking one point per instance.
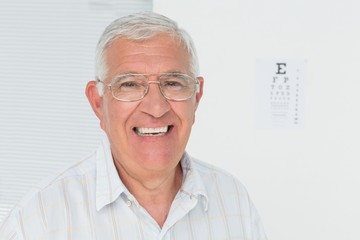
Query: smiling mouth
point(152, 132)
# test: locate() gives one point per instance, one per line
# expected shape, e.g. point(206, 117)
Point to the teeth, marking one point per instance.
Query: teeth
point(152, 131)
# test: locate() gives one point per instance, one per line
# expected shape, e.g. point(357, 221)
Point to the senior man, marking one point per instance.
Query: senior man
point(140, 183)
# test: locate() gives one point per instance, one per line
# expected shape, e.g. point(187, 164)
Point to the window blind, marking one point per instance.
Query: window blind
point(46, 58)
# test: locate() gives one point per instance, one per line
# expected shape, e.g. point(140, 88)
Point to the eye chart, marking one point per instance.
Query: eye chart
point(279, 94)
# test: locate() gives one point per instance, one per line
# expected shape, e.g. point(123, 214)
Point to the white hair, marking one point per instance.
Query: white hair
point(139, 27)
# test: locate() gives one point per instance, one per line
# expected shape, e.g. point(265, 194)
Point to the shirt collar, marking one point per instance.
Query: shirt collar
point(193, 184)
point(109, 185)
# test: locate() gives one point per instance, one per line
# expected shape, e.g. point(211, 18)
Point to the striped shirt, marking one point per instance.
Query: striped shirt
point(89, 201)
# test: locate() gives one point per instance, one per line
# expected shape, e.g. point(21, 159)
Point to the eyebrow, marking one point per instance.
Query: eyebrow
point(138, 73)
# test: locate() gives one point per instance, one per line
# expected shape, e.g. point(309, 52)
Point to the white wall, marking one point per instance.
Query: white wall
point(305, 183)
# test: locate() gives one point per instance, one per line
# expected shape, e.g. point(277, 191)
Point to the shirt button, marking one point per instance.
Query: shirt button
point(129, 203)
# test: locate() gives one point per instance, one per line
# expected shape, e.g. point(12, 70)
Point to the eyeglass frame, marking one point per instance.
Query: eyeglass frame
point(196, 82)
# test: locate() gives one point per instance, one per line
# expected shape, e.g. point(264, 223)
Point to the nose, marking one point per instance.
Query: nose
point(154, 103)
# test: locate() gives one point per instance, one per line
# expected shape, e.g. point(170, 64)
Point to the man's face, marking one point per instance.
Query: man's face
point(143, 154)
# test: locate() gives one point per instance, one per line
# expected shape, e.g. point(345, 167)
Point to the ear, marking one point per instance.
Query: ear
point(94, 99)
point(199, 92)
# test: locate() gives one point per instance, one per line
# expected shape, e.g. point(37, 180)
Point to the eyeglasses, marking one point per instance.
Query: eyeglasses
point(133, 87)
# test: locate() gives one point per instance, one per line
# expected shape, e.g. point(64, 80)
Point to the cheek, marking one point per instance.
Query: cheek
point(109, 116)
point(185, 112)
point(116, 114)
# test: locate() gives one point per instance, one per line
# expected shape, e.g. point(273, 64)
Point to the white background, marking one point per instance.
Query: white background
point(305, 183)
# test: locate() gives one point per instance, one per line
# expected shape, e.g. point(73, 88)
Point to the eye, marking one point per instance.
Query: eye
point(126, 83)
point(174, 81)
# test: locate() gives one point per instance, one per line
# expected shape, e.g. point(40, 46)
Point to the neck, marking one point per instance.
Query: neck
point(154, 193)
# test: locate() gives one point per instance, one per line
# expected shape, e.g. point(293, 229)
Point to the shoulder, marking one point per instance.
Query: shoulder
point(214, 174)
point(205, 167)
point(208, 170)
point(48, 194)
point(228, 197)
point(222, 187)
point(71, 173)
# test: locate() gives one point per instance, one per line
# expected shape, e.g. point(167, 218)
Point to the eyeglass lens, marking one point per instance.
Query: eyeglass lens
point(132, 87)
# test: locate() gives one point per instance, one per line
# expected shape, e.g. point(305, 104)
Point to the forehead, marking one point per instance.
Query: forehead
point(159, 54)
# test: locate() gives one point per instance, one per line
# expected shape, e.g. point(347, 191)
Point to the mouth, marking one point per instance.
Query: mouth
point(152, 132)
